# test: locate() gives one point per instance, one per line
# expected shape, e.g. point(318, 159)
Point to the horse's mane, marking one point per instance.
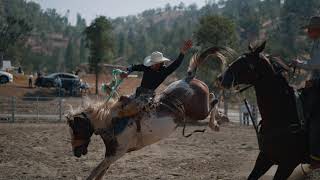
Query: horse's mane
point(278, 63)
point(98, 109)
point(222, 53)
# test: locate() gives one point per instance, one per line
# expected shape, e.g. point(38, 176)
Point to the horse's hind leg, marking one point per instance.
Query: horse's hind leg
point(261, 166)
point(212, 101)
point(284, 171)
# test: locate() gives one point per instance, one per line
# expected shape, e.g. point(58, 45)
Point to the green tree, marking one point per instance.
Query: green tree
point(100, 44)
point(12, 29)
point(83, 54)
point(216, 30)
point(71, 56)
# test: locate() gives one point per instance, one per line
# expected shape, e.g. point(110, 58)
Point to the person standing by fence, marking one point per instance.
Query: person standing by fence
point(58, 84)
point(244, 117)
point(254, 110)
point(30, 79)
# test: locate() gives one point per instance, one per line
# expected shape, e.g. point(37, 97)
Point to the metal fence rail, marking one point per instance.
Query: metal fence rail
point(52, 109)
point(32, 109)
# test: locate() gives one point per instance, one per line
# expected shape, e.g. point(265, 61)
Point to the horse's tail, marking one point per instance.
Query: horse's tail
point(221, 53)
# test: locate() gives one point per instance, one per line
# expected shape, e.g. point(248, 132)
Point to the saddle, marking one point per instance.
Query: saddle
point(134, 109)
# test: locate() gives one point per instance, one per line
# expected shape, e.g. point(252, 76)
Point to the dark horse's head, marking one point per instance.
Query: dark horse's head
point(81, 131)
point(250, 68)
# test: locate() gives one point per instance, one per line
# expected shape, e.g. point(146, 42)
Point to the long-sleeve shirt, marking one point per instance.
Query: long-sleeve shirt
point(152, 79)
point(313, 64)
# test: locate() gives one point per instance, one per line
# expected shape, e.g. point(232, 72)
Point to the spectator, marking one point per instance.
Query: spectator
point(244, 119)
point(58, 85)
point(84, 87)
point(254, 113)
point(77, 72)
point(30, 80)
point(20, 70)
point(39, 74)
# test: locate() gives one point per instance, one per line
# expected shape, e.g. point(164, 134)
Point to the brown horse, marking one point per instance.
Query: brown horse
point(183, 99)
point(282, 140)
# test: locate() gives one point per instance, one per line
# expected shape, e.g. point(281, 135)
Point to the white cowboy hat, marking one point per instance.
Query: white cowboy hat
point(155, 58)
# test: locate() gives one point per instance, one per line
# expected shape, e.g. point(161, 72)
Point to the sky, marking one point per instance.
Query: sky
point(89, 9)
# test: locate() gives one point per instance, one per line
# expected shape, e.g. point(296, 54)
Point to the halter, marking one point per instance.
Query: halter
point(80, 142)
point(252, 67)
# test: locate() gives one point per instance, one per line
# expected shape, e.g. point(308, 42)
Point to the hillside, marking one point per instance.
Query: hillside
point(55, 45)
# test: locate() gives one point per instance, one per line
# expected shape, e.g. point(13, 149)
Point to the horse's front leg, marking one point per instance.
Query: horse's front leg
point(284, 171)
point(116, 147)
point(98, 172)
point(261, 166)
point(100, 176)
point(113, 152)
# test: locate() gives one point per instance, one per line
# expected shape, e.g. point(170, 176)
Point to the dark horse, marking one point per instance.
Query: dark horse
point(282, 140)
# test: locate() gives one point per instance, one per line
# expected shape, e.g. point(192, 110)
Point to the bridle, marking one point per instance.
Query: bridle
point(261, 76)
point(84, 139)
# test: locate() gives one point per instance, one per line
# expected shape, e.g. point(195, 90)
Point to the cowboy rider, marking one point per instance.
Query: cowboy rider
point(154, 73)
point(312, 88)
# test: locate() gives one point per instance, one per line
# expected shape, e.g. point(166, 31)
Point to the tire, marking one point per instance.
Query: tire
point(4, 79)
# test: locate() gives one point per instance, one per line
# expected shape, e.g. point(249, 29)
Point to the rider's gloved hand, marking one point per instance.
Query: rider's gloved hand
point(186, 46)
point(124, 75)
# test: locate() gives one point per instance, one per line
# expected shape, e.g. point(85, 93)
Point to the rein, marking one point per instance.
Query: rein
point(114, 88)
point(253, 123)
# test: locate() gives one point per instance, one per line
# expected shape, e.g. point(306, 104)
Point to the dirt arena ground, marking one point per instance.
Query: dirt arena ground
point(43, 151)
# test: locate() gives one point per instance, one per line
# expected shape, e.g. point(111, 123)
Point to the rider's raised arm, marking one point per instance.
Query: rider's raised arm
point(138, 67)
point(183, 50)
point(173, 66)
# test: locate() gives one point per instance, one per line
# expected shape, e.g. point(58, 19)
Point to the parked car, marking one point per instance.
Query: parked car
point(5, 77)
point(68, 80)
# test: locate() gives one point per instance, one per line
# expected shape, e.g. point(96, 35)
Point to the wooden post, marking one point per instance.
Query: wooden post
point(60, 109)
point(13, 104)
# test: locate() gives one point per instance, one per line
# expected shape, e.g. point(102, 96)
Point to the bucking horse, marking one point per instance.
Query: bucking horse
point(185, 99)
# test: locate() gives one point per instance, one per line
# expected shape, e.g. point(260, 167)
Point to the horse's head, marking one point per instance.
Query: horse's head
point(247, 69)
point(81, 131)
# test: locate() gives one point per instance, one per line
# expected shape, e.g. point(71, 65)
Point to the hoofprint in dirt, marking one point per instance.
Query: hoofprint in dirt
point(43, 151)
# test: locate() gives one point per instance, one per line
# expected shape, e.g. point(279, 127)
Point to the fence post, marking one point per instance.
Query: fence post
point(60, 109)
point(38, 108)
point(240, 113)
point(82, 102)
point(13, 105)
